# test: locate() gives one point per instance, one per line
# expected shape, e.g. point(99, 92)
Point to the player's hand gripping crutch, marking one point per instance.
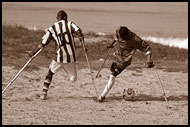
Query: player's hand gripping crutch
point(31, 58)
point(85, 51)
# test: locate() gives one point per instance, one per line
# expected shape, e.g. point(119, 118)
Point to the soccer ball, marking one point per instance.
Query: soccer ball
point(128, 94)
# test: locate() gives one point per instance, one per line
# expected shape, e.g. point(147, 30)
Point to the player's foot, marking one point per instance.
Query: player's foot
point(43, 96)
point(101, 99)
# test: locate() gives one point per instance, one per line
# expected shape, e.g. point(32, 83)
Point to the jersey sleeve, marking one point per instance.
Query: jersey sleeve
point(142, 45)
point(47, 37)
point(76, 31)
point(74, 27)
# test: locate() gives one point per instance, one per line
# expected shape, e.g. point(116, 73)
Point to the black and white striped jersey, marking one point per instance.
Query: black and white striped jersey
point(62, 33)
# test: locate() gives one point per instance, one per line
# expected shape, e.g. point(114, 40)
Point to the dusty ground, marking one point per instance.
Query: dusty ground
point(75, 103)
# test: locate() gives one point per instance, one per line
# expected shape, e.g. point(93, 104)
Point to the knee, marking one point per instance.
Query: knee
point(127, 63)
point(115, 69)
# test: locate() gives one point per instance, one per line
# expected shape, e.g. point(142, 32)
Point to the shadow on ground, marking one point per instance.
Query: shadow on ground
point(140, 97)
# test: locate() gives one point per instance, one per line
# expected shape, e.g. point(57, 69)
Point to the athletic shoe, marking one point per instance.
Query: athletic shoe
point(44, 96)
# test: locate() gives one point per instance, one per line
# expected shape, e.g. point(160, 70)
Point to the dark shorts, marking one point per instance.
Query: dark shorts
point(116, 68)
point(122, 59)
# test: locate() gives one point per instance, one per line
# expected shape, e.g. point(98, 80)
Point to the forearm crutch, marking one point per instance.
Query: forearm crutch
point(162, 88)
point(82, 41)
point(22, 69)
point(103, 62)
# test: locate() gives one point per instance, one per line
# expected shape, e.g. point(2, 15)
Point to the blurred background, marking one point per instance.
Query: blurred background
point(160, 22)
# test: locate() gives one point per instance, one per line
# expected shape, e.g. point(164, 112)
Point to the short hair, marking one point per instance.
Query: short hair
point(62, 14)
point(123, 31)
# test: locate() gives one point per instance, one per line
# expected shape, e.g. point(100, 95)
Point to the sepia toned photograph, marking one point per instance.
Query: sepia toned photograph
point(94, 63)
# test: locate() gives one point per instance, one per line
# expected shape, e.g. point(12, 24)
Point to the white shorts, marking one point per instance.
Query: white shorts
point(69, 68)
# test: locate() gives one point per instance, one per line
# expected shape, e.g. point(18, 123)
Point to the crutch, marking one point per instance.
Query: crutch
point(82, 41)
point(115, 40)
point(32, 57)
point(162, 88)
point(103, 62)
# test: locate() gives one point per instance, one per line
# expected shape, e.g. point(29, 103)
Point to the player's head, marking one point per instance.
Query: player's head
point(123, 32)
point(61, 15)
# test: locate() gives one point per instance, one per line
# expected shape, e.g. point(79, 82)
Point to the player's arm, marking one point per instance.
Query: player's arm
point(77, 32)
point(144, 47)
point(45, 41)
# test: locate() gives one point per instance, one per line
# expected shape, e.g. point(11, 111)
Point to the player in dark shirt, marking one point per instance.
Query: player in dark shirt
point(128, 43)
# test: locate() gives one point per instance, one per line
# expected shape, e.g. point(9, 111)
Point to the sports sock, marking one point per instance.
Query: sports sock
point(108, 87)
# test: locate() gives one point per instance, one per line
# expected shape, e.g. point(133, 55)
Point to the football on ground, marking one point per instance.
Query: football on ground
point(128, 94)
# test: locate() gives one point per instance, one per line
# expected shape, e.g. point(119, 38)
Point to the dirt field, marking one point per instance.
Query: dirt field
point(75, 103)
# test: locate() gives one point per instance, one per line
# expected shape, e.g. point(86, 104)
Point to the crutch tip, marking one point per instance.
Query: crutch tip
point(98, 76)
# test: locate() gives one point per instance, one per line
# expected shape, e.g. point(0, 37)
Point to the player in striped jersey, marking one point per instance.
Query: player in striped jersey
point(128, 42)
point(63, 33)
